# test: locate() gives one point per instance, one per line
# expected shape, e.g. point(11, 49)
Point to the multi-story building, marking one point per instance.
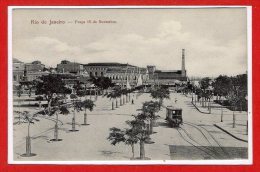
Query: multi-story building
point(168, 77)
point(35, 66)
point(18, 71)
point(119, 73)
point(70, 67)
point(27, 71)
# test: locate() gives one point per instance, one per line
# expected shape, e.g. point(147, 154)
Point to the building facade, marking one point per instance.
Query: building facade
point(18, 71)
point(167, 77)
point(35, 66)
point(70, 67)
point(119, 73)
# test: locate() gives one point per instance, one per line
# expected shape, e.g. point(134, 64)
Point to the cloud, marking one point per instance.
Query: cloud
point(204, 56)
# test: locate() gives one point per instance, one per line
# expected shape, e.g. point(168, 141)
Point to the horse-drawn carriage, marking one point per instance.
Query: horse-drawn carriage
point(174, 116)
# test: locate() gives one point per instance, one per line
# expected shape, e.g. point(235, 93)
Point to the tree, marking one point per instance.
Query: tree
point(139, 128)
point(76, 107)
point(160, 93)
point(149, 109)
point(205, 83)
point(130, 136)
point(131, 139)
point(50, 85)
point(116, 92)
point(205, 93)
point(87, 104)
point(124, 92)
point(222, 85)
point(102, 82)
point(39, 99)
point(58, 108)
point(29, 119)
point(19, 94)
point(238, 92)
point(80, 89)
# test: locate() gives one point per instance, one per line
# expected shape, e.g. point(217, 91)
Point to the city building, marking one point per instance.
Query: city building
point(119, 73)
point(27, 71)
point(18, 71)
point(35, 66)
point(70, 67)
point(167, 77)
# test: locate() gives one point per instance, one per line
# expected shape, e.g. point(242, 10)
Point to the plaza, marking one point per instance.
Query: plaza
point(196, 139)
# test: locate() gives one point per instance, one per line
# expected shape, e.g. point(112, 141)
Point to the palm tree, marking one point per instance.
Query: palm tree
point(56, 108)
point(29, 119)
point(87, 104)
point(59, 110)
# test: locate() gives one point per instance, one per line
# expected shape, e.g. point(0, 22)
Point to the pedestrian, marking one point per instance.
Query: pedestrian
point(132, 101)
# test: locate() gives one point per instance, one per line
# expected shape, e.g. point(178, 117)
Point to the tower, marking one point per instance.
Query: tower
point(151, 70)
point(183, 70)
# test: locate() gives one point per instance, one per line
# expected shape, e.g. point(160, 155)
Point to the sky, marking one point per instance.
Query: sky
point(214, 39)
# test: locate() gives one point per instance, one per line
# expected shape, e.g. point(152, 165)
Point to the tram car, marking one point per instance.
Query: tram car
point(174, 116)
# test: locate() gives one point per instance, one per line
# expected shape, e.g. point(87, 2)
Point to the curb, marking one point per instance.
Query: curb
point(230, 133)
point(199, 109)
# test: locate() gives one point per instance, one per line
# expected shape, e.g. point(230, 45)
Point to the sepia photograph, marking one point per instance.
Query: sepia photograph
point(130, 85)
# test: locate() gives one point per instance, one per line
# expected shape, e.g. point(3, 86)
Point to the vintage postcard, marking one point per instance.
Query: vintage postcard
point(130, 85)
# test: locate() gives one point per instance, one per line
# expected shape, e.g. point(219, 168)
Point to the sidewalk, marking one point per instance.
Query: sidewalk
point(239, 132)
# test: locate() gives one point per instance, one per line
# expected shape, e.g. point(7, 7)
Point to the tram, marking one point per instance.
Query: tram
point(174, 116)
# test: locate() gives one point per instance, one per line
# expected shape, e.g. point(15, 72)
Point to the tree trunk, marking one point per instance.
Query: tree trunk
point(73, 124)
point(133, 150)
point(49, 105)
point(142, 151)
point(28, 141)
point(56, 131)
point(151, 127)
point(113, 105)
point(221, 120)
point(116, 103)
point(85, 117)
point(19, 104)
point(56, 128)
point(28, 146)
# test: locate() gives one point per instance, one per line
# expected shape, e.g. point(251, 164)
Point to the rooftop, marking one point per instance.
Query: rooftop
point(109, 64)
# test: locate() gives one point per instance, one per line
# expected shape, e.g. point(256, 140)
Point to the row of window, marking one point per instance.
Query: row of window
point(96, 73)
point(119, 77)
point(96, 68)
